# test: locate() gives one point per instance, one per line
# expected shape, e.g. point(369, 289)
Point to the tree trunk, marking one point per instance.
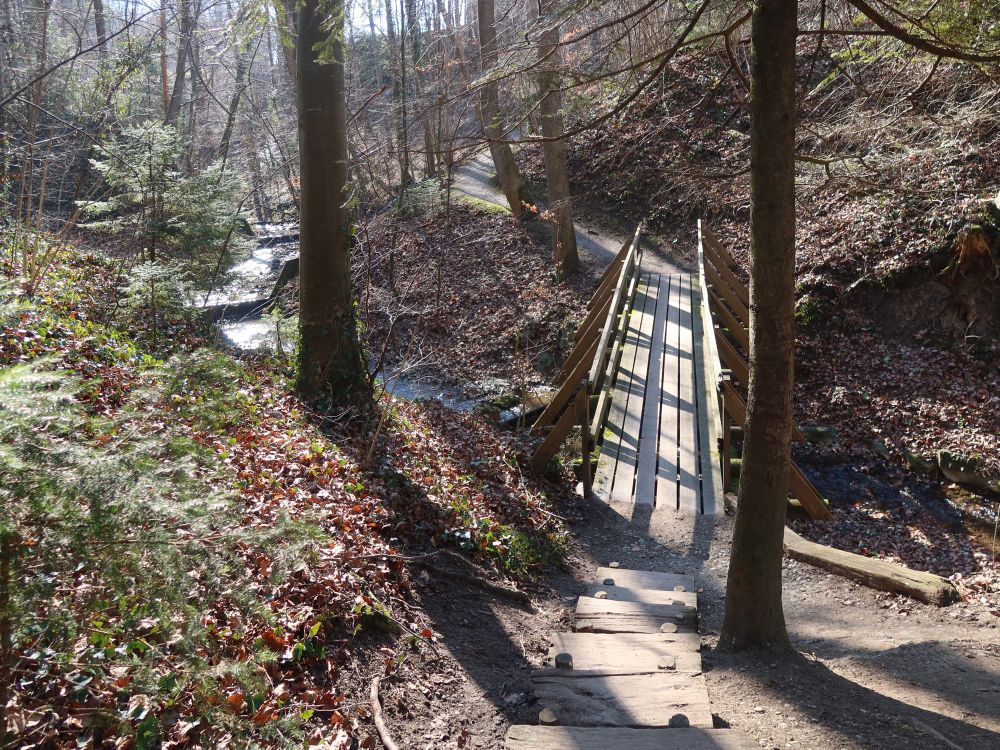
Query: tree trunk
point(100, 28)
point(567, 260)
point(329, 353)
point(288, 46)
point(754, 616)
point(164, 84)
point(489, 111)
point(398, 54)
point(180, 70)
point(242, 82)
point(413, 32)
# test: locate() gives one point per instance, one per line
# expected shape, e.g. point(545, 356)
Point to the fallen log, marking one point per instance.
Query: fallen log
point(878, 574)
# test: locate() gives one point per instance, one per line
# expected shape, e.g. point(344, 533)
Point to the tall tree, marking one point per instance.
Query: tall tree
point(330, 352)
point(100, 28)
point(180, 70)
point(489, 110)
point(397, 54)
point(754, 615)
point(567, 260)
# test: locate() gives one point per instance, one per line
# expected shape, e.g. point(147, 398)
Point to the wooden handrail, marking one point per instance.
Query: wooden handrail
point(630, 267)
point(733, 407)
point(586, 368)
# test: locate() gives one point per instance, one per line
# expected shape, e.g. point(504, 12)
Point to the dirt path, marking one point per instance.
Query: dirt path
point(598, 243)
point(870, 671)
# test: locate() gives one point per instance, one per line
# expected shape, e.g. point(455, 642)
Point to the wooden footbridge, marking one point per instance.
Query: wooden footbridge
point(656, 384)
point(657, 381)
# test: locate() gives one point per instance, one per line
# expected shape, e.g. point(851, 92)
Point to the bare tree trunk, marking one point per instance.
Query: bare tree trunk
point(242, 82)
point(330, 357)
point(101, 29)
point(197, 94)
point(413, 31)
point(261, 209)
point(398, 54)
point(754, 615)
point(180, 70)
point(489, 111)
point(567, 260)
point(163, 57)
point(291, 22)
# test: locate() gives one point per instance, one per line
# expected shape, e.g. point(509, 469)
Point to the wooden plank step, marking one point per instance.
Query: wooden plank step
point(627, 653)
point(607, 616)
point(674, 699)
point(523, 737)
point(645, 579)
point(650, 596)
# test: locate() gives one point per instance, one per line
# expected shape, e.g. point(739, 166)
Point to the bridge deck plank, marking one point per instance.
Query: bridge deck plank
point(645, 480)
point(689, 499)
point(616, 439)
point(666, 471)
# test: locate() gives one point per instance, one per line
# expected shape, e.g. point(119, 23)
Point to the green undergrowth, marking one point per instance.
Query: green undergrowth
point(191, 554)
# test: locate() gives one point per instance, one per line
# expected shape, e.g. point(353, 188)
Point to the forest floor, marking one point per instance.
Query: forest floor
point(870, 670)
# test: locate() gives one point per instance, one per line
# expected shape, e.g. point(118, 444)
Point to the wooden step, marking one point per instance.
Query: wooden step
point(645, 579)
point(585, 699)
point(610, 616)
point(627, 653)
point(521, 737)
point(650, 596)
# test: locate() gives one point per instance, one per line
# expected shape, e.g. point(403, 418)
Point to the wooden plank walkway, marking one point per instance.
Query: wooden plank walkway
point(637, 685)
point(657, 450)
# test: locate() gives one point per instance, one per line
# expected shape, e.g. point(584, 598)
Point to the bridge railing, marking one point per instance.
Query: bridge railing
point(590, 364)
point(726, 319)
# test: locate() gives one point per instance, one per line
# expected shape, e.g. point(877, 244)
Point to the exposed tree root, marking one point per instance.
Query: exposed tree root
point(479, 580)
point(380, 725)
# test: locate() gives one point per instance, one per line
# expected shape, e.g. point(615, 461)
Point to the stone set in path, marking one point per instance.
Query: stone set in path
point(629, 677)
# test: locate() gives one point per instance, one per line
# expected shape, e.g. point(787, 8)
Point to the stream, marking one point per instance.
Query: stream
point(238, 304)
point(249, 281)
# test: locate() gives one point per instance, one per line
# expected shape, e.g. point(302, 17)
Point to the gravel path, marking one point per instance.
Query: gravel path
point(598, 245)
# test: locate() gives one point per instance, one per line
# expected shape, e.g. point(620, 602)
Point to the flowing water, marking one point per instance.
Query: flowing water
point(254, 278)
point(251, 280)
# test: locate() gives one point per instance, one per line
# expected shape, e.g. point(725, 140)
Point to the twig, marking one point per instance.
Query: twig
point(380, 726)
point(996, 525)
point(921, 727)
point(477, 578)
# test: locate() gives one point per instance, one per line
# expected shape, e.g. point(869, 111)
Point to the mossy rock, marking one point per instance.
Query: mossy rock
point(478, 204)
point(919, 465)
point(964, 469)
point(819, 435)
point(808, 312)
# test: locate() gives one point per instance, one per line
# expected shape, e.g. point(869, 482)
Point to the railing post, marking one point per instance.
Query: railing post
point(726, 450)
point(583, 412)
